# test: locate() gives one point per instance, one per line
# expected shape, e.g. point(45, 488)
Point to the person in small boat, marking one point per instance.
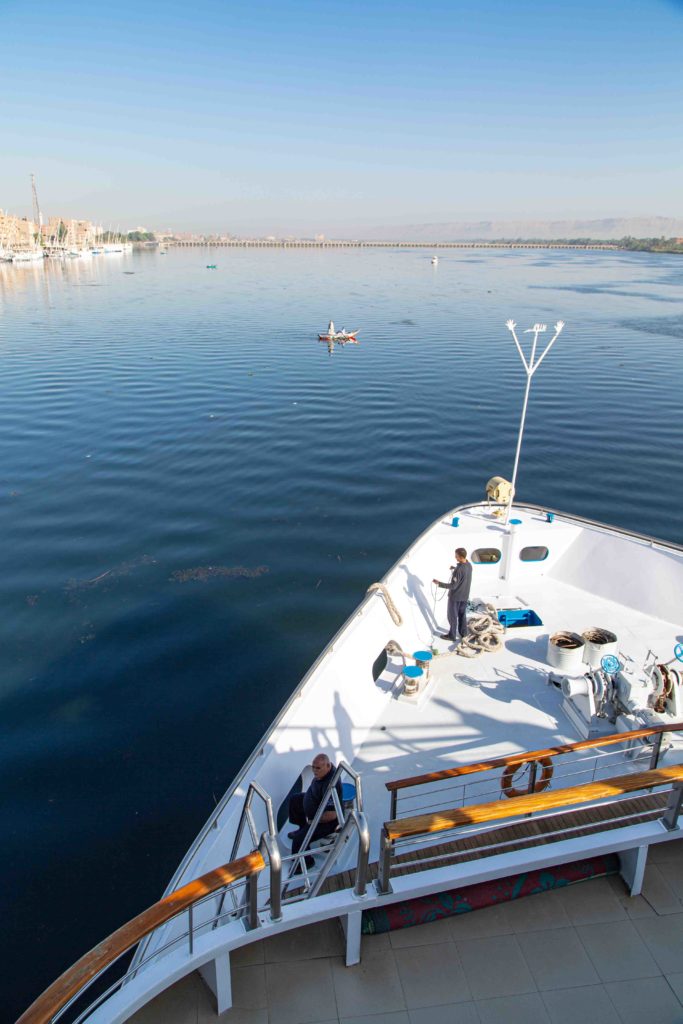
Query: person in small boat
point(303, 806)
point(458, 596)
point(330, 328)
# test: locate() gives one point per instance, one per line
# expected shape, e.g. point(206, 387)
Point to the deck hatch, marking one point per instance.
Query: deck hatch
point(514, 618)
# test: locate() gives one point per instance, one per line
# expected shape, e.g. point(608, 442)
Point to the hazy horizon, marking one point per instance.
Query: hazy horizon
point(336, 118)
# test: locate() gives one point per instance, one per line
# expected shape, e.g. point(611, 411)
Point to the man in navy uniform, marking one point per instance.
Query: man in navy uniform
point(303, 806)
point(458, 596)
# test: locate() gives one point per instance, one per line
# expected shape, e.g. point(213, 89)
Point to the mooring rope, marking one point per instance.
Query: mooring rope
point(484, 634)
point(391, 607)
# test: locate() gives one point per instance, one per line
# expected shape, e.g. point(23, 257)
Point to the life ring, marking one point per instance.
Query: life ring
point(540, 784)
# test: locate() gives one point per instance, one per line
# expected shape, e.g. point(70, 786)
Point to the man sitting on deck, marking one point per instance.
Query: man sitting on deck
point(303, 807)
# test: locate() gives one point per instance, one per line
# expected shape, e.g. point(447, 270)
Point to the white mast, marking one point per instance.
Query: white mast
point(530, 368)
point(37, 215)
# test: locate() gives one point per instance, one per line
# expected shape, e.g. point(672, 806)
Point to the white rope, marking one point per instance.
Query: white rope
point(485, 633)
point(391, 607)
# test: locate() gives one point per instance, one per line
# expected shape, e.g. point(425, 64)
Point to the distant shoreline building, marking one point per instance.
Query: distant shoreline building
point(19, 233)
point(16, 232)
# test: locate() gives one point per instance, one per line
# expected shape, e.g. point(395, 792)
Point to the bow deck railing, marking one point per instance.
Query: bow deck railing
point(409, 843)
point(230, 893)
point(74, 983)
point(463, 832)
point(569, 763)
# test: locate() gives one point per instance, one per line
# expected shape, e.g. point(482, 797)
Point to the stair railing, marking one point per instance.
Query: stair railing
point(266, 842)
point(350, 821)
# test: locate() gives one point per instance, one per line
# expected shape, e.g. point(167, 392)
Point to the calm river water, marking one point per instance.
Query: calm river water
point(194, 495)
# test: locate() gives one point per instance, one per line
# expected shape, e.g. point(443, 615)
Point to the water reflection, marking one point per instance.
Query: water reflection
point(21, 278)
point(340, 342)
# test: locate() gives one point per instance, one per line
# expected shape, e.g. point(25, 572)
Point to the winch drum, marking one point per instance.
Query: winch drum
point(599, 642)
point(565, 652)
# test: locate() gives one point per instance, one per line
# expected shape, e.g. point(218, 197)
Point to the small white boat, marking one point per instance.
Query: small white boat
point(435, 261)
point(27, 255)
point(334, 335)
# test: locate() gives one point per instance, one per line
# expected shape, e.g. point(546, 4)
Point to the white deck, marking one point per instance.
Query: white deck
point(473, 709)
point(496, 704)
point(588, 953)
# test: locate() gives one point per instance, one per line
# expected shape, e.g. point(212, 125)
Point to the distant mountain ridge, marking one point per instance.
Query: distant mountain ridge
point(490, 230)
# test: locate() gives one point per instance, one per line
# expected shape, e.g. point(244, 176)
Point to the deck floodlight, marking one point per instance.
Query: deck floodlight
point(530, 367)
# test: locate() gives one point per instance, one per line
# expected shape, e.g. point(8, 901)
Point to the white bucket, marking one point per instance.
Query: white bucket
point(565, 652)
point(599, 642)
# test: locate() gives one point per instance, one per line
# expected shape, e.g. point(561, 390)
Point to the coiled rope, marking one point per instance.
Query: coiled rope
point(485, 633)
point(391, 607)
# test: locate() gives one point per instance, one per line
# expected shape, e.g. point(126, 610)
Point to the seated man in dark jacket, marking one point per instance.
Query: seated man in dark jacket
point(303, 806)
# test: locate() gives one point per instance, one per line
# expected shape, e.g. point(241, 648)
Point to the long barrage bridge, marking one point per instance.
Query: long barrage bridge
point(258, 243)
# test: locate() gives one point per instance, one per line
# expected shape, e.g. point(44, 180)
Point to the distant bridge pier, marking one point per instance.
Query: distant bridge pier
point(261, 243)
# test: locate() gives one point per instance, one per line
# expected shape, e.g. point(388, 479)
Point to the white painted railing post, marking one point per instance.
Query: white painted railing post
point(673, 809)
point(632, 868)
point(352, 927)
point(216, 976)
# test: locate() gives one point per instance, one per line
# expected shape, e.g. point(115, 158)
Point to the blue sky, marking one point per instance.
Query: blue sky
point(306, 116)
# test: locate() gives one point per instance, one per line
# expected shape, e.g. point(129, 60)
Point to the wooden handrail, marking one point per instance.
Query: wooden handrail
point(441, 821)
point(530, 755)
point(106, 952)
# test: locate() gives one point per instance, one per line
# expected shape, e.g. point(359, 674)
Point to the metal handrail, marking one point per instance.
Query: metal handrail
point(424, 828)
point(269, 846)
point(604, 760)
point(354, 820)
point(255, 789)
point(331, 792)
point(501, 844)
point(78, 978)
point(532, 757)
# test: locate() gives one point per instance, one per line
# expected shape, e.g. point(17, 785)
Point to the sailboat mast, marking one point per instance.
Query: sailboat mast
point(37, 215)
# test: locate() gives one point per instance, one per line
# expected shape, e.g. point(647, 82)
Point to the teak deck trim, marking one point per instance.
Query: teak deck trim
point(124, 938)
point(441, 821)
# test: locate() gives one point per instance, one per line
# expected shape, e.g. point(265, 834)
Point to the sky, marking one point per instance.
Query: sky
point(295, 116)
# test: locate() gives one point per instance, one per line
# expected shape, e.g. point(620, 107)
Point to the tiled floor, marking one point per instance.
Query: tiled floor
point(588, 954)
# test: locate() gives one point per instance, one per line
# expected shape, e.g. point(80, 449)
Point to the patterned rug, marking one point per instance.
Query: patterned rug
point(484, 894)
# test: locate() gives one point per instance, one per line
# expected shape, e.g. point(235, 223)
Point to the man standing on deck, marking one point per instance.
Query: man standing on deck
point(303, 807)
point(458, 596)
